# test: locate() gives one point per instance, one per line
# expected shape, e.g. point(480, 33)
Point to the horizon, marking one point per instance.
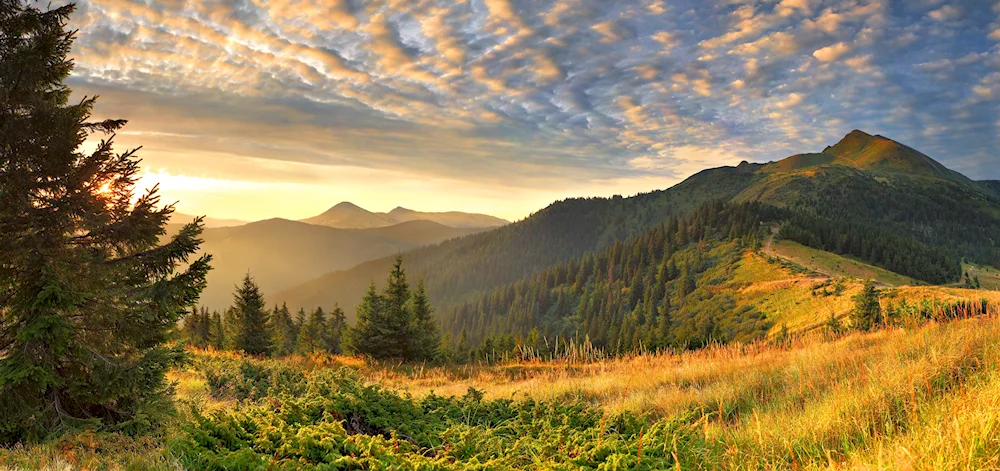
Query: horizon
point(255, 111)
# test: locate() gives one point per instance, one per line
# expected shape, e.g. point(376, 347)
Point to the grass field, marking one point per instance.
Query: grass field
point(989, 277)
point(927, 398)
point(923, 397)
point(834, 265)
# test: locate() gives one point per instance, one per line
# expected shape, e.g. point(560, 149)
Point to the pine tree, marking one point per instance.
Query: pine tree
point(867, 313)
point(283, 332)
point(384, 328)
point(217, 332)
point(366, 337)
point(88, 295)
point(250, 333)
point(311, 334)
point(335, 326)
point(426, 338)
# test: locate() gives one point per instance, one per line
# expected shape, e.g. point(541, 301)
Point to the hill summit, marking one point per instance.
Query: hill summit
point(347, 215)
point(873, 153)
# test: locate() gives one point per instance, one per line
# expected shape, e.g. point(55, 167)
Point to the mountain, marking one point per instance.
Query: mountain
point(180, 219)
point(866, 196)
point(350, 216)
point(280, 254)
point(993, 185)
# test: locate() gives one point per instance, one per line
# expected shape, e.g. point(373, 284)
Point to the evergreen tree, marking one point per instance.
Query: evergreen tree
point(365, 337)
point(867, 313)
point(300, 320)
point(88, 294)
point(335, 327)
point(426, 338)
point(250, 332)
point(216, 332)
point(384, 326)
point(311, 334)
point(283, 332)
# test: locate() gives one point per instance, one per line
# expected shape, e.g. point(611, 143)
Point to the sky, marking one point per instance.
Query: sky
point(253, 109)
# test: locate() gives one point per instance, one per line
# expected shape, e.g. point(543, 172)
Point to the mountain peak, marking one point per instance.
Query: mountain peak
point(346, 205)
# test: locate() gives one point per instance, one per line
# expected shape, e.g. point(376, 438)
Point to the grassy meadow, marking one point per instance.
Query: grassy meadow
point(919, 395)
point(921, 398)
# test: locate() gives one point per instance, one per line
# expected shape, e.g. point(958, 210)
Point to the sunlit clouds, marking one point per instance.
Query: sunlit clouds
point(255, 108)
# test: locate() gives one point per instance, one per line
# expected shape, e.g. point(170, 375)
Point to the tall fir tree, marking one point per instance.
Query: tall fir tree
point(367, 337)
point(88, 294)
point(395, 324)
point(250, 332)
point(336, 324)
point(217, 332)
point(311, 334)
point(426, 339)
point(283, 332)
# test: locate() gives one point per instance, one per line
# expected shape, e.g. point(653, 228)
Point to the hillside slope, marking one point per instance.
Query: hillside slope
point(868, 197)
point(280, 253)
point(456, 269)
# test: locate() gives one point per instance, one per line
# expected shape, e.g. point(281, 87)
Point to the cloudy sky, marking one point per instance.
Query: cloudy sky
point(260, 108)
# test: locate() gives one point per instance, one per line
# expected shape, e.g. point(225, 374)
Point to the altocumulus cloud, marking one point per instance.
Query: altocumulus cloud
point(562, 96)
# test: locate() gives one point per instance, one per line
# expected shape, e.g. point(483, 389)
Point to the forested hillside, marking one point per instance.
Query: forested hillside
point(867, 196)
point(653, 290)
point(456, 269)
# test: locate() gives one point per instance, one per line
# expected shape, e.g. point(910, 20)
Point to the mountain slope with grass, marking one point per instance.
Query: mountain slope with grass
point(867, 197)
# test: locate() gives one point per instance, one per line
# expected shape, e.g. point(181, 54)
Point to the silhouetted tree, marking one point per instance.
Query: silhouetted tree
point(88, 294)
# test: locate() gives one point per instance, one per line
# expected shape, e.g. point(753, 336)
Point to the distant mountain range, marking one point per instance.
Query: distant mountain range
point(350, 216)
point(280, 253)
point(867, 189)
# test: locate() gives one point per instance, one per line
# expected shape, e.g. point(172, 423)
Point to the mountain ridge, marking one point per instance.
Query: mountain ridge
point(347, 215)
point(915, 201)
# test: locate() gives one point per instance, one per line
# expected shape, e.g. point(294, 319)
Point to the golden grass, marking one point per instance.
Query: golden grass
point(834, 265)
point(893, 399)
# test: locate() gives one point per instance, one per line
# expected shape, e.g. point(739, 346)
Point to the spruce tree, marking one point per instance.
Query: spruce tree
point(335, 326)
point(250, 332)
point(283, 332)
point(867, 313)
point(368, 336)
point(88, 291)
point(311, 334)
point(426, 339)
point(216, 332)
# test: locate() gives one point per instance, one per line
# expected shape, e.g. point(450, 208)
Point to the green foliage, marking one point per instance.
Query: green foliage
point(249, 319)
point(656, 290)
point(284, 335)
point(397, 323)
point(311, 334)
point(330, 419)
point(867, 312)
point(88, 296)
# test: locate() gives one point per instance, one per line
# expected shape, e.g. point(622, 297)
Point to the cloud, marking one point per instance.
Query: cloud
point(542, 97)
point(831, 53)
point(946, 13)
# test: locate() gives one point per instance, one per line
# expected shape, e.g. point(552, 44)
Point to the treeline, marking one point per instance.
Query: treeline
point(650, 292)
point(397, 323)
point(917, 227)
point(565, 230)
point(874, 244)
point(248, 327)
